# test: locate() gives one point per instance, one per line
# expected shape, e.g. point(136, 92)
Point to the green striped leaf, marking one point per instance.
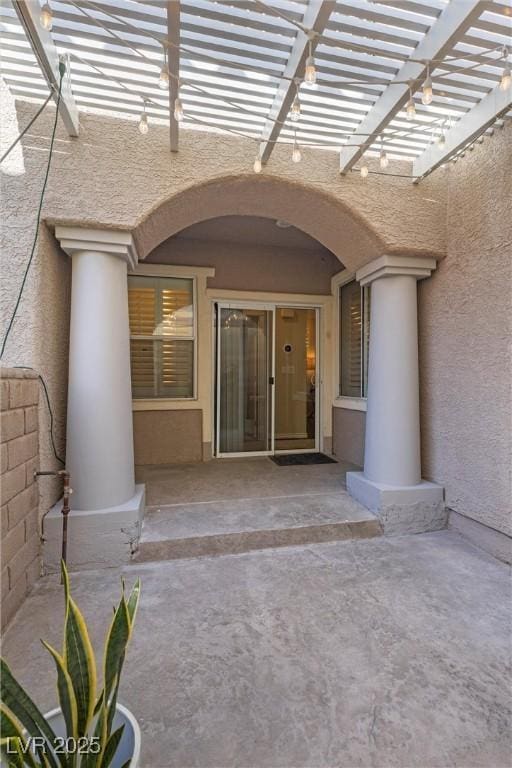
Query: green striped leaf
point(111, 747)
point(66, 693)
point(133, 602)
point(79, 660)
point(11, 751)
point(13, 745)
point(115, 646)
point(90, 759)
point(17, 700)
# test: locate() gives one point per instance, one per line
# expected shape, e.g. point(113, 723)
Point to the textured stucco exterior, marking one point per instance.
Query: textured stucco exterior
point(112, 177)
point(348, 435)
point(40, 334)
point(167, 437)
point(465, 322)
point(136, 185)
point(255, 267)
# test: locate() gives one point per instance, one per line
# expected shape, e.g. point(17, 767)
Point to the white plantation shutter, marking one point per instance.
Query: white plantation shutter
point(162, 328)
point(354, 335)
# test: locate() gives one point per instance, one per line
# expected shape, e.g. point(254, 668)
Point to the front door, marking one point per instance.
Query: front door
point(296, 379)
point(266, 379)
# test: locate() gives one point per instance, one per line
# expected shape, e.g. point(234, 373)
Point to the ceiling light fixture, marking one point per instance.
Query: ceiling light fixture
point(296, 153)
point(143, 121)
point(295, 110)
point(506, 77)
point(46, 17)
point(178, 107)
point(310, 71)
point(410, 108)
point(426, 97)
point(163, 80)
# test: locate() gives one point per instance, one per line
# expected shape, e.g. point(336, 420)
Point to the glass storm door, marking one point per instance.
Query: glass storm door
point(244, 380)
point(296, 404)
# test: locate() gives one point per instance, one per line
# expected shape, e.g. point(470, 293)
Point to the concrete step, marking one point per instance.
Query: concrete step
point(233, 526)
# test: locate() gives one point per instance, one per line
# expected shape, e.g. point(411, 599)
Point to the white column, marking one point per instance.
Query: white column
point(392, 452)
point(99, 448)
point(392, 462)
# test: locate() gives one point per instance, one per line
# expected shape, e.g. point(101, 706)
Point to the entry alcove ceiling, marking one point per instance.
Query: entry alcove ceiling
point(233, 64)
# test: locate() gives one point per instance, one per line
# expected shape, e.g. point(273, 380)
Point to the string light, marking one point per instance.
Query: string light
point(441, 140)
point(257, 164)
point(364, 170)
point(296, 153)
point(178, 110)
point(143, 122)
point(383, 159)
point(426, 97)
point(295, 110)
point(410, 109)
point(506, 77)
point(310, 71)
point(178, 107)
point(163, 80)
point(46, 17)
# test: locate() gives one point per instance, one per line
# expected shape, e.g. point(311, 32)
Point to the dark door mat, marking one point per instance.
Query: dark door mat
point(294, 459)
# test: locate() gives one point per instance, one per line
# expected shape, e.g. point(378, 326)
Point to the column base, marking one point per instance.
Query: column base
point(400, 509)
point(96, 539)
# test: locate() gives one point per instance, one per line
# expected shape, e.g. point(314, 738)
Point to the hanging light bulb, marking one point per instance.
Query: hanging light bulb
point(295, 110)
point(296, 154)
point(46, 17)
point(364, 170)
point(163, 80)
point(383, 159)
point(310, 71)
point(426, 97)
point(506, 79)
point(410, 109)
point(257, 164)
point(441, 140)
point(143, 122)
point(178, 110)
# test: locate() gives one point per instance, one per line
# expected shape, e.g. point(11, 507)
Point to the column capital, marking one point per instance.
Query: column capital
point(384, 266)
point(116, 242)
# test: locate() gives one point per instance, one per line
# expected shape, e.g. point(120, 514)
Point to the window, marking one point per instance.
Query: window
point(162, 336)
point(354, 337)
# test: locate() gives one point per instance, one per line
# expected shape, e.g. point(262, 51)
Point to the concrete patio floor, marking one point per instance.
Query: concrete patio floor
point(388, 652)
point(245, 478)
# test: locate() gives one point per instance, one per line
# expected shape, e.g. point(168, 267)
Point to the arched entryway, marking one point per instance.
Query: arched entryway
point(100, 433)
point(323, 217)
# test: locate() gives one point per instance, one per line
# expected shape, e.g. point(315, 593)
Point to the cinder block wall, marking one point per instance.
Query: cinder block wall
point(19, 434)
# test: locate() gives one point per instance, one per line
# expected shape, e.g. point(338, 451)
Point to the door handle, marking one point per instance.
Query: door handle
point(271, 380)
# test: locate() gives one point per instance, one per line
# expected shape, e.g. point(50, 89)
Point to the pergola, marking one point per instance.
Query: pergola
point(239, 65)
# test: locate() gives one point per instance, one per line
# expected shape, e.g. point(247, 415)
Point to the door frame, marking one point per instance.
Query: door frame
point(271, 306)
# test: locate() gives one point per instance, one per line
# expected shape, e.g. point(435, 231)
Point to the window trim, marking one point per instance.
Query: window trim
point(179, 274)
point(342, 401)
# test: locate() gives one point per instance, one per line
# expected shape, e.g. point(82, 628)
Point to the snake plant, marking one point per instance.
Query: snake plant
point(27, 738)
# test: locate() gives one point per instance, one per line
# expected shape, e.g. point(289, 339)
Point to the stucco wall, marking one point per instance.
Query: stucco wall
point(167, 437)
point(256, 267)
point(135, 175)
point(113, 177)
point(348, 435)
point(465, 321)
point(39, 337)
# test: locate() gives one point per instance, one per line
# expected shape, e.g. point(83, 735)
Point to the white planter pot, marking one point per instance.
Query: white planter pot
point(129, 746)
